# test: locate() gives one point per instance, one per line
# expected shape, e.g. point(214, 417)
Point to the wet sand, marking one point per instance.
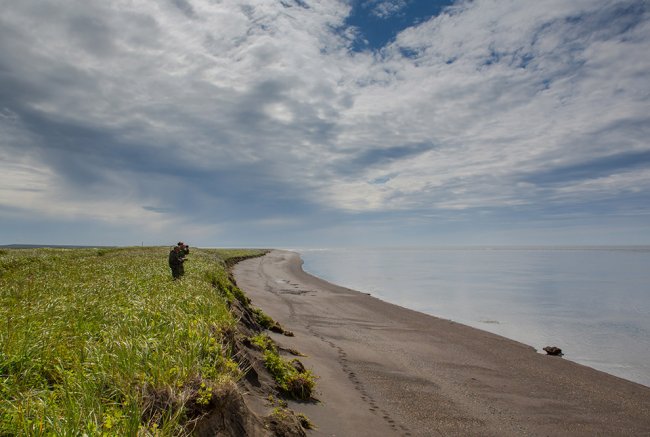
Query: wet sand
point(388, 371)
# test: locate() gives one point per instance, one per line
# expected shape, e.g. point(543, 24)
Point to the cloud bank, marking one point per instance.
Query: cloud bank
point(229, 119)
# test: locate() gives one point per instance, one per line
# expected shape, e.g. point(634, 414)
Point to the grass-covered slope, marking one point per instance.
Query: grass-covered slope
point(102, 341)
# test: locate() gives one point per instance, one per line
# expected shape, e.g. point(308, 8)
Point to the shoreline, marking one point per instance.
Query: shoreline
point(589, 304)
point(389, 370)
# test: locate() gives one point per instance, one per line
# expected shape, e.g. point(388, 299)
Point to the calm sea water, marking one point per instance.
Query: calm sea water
point(594, 303)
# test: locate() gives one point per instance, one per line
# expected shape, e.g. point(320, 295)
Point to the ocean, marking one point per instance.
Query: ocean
point(592, 302)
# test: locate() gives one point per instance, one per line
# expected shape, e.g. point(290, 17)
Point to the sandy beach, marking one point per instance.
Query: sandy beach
point(388, 371)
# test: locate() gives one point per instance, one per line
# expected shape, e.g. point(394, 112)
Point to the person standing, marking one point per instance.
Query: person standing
point(184, 250)
point(176, 260)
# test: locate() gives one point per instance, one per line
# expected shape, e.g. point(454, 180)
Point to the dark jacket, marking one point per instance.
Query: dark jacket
point(175, 258)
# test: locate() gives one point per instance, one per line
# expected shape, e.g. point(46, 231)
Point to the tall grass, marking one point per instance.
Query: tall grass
point(104, 342)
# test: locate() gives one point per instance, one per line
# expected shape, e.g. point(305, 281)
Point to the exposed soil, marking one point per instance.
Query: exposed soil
point(245, 409)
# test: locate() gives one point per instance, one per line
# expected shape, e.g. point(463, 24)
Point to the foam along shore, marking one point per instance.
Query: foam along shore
point(385, 370)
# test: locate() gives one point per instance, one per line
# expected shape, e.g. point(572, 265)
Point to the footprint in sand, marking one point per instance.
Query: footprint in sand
point(373, 407)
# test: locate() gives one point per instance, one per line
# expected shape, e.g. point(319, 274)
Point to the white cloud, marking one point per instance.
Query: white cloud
point(467, 92)
point(386, 8)
point(498, 91)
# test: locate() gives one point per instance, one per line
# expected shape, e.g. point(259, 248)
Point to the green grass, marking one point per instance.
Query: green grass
point(104, 342)
point(298, 384)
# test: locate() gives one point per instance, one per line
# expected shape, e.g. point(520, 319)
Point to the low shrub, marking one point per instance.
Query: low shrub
point(292, 379)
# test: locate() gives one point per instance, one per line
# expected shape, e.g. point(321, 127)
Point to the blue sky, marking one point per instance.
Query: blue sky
point(327, 123)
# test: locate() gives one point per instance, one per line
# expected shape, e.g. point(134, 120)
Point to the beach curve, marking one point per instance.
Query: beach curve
point(388, 370)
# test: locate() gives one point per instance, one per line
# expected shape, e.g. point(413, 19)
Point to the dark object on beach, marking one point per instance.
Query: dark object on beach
point(276, 328)
point(552, 350)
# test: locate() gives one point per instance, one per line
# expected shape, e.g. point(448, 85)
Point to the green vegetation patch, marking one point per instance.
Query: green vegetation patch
point(290, 376)
point(221, 278)
point(104, 342)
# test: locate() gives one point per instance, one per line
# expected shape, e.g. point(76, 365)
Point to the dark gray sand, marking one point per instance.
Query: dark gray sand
point(389, 371)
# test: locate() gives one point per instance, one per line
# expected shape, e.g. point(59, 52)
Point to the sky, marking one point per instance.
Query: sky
point(324, 123)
